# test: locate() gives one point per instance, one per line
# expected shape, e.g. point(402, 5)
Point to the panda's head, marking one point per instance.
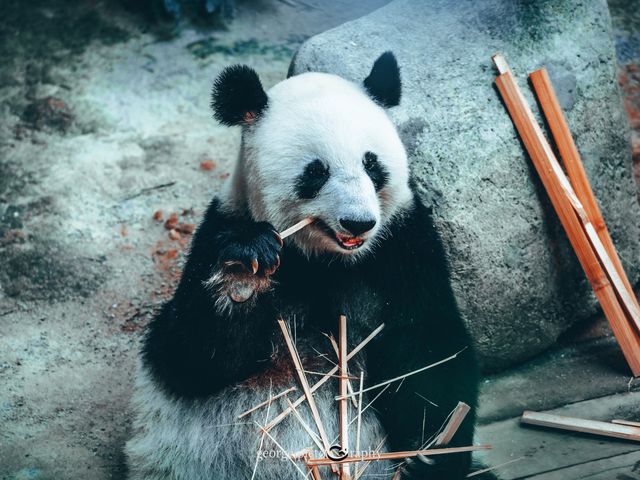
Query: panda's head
point(321, 146)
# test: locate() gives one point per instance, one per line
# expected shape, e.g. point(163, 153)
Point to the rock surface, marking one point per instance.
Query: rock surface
point(516, 278)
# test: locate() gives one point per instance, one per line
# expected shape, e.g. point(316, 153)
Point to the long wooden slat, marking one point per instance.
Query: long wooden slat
point(581, 425)
point(571, 158)
point(628, 301)
point(559, 192)
point(398, 455)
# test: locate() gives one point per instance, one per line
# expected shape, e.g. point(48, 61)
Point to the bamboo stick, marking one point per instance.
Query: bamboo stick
point(359, 424)
point(455, 420)
point(337, 350)
point(345, 471)
point(560, 195)
point(315, 472)
point(264, 431)
point(298, 226)
point(398, 455)
point(323, 380)
point(366, 465)
point(306, 427)
point(267, 402)
point(581, 425)
point(402, 377)
point(571, 158)
point(305, 384)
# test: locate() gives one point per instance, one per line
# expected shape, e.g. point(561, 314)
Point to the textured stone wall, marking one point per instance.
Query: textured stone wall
point(516, 278)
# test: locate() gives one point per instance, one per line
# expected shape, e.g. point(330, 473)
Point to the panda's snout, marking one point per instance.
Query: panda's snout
point(357, 227)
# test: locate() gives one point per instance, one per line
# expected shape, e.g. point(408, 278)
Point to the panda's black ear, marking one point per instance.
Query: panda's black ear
point(383, 83)
point(238, 97)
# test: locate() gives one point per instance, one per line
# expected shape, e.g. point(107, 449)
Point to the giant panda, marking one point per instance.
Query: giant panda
point(315, 145)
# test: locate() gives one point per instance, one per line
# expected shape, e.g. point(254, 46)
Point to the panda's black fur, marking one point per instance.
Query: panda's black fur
point(198, 358)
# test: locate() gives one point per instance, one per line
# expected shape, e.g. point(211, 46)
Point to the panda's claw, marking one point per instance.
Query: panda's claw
point(246, 263)
point(279, 238)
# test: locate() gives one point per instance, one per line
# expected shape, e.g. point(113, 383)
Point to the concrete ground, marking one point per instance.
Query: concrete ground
point(106, 140)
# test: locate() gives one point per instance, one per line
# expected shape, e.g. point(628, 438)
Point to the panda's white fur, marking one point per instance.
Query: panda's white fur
point(176, 439)
point(319, 115)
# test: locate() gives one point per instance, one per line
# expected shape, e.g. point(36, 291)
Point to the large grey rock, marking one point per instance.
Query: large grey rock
point(516, 278)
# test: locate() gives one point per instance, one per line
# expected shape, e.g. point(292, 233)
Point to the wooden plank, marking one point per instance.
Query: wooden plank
point(565, 204)
point(581, 425)
point(549, 450)
point(571, 158)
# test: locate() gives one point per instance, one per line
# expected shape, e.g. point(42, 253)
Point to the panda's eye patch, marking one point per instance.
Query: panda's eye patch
point(312, 179)
point(377, 173)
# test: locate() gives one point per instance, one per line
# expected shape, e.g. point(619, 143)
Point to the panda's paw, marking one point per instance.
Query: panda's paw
point(246, 264)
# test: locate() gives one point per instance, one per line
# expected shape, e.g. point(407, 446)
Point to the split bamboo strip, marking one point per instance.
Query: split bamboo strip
point(306, 427)
point(266, 418)
point(337, 350)
point(581, 425)
point(571, 158)
point(543, 160)
point(359, 424)
point(315, 472)
point(267, 402)
point(305, 384)
point(323, 380)
point(398, 455)
point(298, 226)
point(263, 430)
point(626, 422)
point(402, 377)
point(345, 471)
point(366, 465)
point(455, 420)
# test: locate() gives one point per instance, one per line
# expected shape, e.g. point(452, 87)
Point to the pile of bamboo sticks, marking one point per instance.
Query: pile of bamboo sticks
point(337, 455)
point(575, 204)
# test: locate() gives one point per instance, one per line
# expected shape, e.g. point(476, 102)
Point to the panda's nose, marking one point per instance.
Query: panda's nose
point(357, 227)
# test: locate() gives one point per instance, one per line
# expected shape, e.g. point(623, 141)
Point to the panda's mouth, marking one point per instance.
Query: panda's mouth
point(346, 242)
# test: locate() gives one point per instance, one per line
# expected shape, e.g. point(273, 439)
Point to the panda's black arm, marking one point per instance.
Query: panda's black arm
point(193, 348)
point(423, 327)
